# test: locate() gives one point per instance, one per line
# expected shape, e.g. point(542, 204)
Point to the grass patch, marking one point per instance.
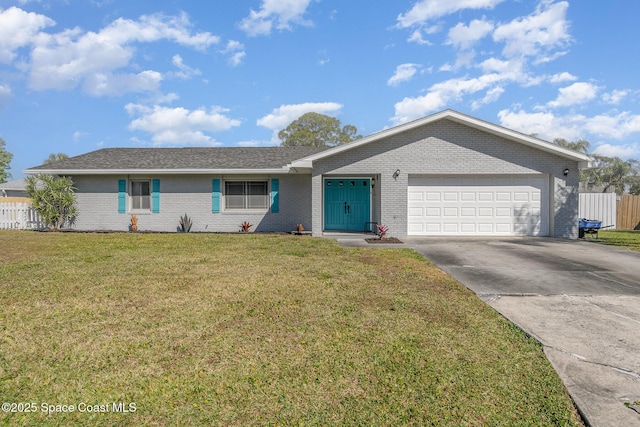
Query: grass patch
point(203, 329)
point(628, 239)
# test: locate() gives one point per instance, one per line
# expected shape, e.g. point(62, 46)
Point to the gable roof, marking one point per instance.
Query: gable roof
point(456, 117)
point(110, 161)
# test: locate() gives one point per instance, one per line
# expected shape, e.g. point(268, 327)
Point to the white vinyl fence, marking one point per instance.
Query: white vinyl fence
point(18, 216)
point(598, 206)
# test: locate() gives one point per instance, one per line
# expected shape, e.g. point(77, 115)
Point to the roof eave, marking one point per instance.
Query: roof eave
point(244, 171)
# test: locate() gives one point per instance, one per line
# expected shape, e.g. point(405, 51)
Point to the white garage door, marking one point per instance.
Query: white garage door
point(481, 206)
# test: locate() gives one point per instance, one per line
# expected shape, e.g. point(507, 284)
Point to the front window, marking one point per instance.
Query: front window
point(140, 195)
point(246, 195)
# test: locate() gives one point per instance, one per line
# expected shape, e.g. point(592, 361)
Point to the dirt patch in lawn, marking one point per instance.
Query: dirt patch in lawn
point(384, 240)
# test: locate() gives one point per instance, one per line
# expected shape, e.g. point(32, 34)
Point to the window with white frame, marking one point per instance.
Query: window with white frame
point(141, 195)
point(243, 195)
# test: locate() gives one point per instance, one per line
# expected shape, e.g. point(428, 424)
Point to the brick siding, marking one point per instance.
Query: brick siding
point(447, 148)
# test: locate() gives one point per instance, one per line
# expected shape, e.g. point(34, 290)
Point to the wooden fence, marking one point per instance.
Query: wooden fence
point(18, 215)
point(628, 212)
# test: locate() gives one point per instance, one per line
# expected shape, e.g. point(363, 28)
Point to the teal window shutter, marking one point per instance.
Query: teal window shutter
point(275, 196)
point(155, 195)
point(122, 195)
point(215, 196)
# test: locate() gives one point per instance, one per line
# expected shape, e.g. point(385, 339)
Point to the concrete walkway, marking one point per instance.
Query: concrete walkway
point(581, 300)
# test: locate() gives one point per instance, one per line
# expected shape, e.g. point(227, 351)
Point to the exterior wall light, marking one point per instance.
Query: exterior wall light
point(565, 172)
point(396, 174)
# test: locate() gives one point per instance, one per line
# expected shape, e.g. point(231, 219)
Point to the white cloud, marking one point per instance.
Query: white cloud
point(280, 14)
point(19, 29)
point(73, 57)
point(615, 125)
point(179, 126)
point(535, 35)
point(108, 84)
point(442, 94)
point(464, 37)
point(5, 95)
point(544, 125)
point(236, 52)
point(492, 95)
point(78, 135)
point(413, 108)
point(416, 37)
point(426, 10)
point(626, 151)
point(577, 93)
point(563, 77)
point(255, 143)
point(282, 116)
point(615, 96)
point(404, 73)
point(237, 58)
point(511, 70)
point(151, 28)
point(464, 59)
point(185, 72)
point(526, 41)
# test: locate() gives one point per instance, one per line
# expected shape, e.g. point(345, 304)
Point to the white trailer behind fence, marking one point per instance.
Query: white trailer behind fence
point(18, 216)
point(599, 206)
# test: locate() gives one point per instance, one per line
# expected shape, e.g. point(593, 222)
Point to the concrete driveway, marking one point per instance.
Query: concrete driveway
point(581, 300)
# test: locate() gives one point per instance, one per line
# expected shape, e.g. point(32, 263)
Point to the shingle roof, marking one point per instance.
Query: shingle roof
point(17, 185)
point(182, 158)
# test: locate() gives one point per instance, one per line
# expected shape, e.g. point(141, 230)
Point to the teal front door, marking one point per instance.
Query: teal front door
point(347, 204)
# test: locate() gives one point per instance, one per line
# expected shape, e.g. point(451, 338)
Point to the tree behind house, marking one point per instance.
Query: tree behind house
point(54, 157)
point(54, 199)
point(5, 159)
point(609, 173)
point(613, 173)
point(317, 130)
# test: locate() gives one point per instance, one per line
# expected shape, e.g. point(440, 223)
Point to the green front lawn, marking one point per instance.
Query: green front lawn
point(628, 239)
point(203, 329)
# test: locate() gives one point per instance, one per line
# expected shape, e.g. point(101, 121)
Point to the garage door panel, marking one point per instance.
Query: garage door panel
point(417, 228)
point(495, 205)
point(450, 228)
point(450, 212)
point(503, 228)
point(469, 228)
point(485, 228)
point(433, 228)
point(416, 196)
point(468, 212)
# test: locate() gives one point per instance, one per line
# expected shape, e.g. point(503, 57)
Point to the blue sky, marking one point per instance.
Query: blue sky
point(76, 76)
